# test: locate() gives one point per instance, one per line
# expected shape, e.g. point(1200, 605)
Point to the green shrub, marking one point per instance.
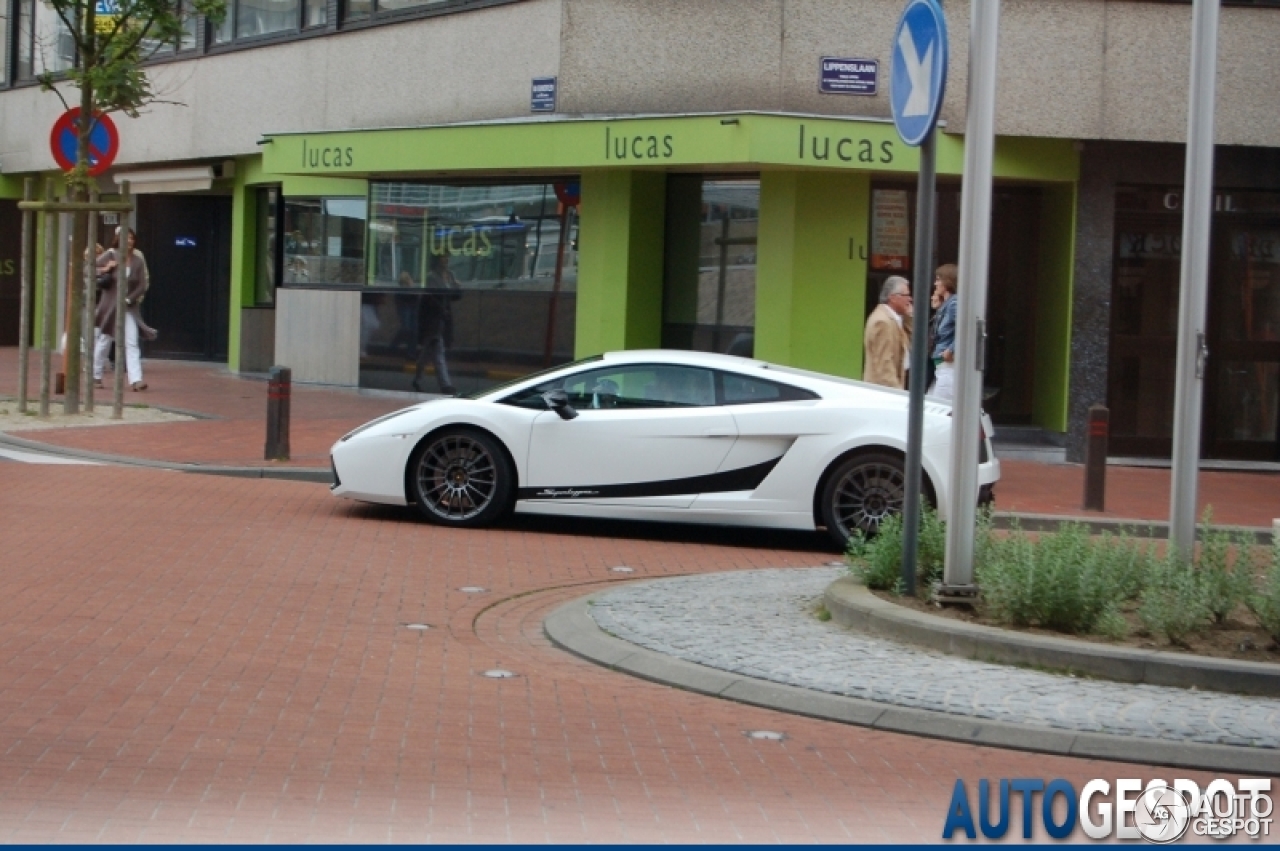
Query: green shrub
point(1223, 585)
point(1265, 602)
point(1173, 603)
point(877, 561)
point(1063, 581)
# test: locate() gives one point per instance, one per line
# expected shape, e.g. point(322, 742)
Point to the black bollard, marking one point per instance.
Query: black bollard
point(1095, 459)
point(279, 393)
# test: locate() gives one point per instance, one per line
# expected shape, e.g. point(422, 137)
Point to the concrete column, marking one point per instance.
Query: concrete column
point(620, 260)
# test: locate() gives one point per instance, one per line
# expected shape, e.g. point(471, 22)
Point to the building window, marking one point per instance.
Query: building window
point(324, 242)
point(267, 265)
point(363, 9)
point(44, 42)
point(4, 42)
point(251, 19)
point(467, 285)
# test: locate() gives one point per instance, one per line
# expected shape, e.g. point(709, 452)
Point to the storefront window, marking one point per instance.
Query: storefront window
point(324, 241)
point(467, 284)
point(266, 268)
point(709, 298)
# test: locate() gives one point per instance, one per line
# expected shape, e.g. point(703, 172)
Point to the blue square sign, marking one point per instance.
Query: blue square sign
point(839, 76)
point(542, 98)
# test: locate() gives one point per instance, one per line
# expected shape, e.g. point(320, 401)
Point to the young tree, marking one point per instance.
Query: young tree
point(112, 39)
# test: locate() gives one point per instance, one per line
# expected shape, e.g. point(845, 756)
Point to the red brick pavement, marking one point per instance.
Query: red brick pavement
point(190, 658)
point(236, 434)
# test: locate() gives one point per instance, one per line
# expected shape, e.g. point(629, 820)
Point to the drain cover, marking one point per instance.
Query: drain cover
point(622, 569)
point(472, 589)
point(499, 674)
point(766, 735)
point(418, 626)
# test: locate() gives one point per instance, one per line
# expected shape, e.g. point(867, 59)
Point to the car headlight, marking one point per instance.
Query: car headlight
point(372, 423)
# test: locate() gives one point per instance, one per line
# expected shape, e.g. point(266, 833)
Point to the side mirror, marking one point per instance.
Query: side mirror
point(558, 401)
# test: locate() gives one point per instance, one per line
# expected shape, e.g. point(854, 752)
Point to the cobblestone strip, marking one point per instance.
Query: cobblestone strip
point(763, 624)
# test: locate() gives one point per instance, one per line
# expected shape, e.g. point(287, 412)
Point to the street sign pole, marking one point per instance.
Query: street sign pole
point(1192, 352)
point(917, 84)
point(971, 304)
point(922, 280)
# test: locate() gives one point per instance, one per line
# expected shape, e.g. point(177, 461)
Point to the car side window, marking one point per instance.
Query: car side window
point(746, 390)
point(630, 386)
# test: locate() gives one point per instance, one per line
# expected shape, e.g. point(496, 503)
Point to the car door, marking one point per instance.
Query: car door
point(645, 435)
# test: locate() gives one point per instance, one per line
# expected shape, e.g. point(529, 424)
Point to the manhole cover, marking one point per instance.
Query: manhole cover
point(499, 674)
point(766, 735)
point(417, 626)
point(622, 569)
point(472, 589)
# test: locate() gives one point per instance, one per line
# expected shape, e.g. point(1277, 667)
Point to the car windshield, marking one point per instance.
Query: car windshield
point(499, 389)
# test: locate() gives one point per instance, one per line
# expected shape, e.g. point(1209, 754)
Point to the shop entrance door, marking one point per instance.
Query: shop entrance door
point(187, 242)
point(1242, 399)
point(1241, 419)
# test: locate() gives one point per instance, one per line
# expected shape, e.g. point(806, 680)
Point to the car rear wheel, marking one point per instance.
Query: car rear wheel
point(461, 477)
point(860, 493)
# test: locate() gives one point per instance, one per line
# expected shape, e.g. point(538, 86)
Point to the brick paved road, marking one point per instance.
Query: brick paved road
point(210, 659)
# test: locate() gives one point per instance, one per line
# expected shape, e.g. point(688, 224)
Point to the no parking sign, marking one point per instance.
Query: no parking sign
point(104, 141)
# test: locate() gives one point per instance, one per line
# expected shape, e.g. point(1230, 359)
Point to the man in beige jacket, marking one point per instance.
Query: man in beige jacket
point(887, 339)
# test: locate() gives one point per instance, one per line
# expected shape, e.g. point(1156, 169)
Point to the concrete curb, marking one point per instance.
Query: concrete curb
point(297, 474)
point(852, 605)
point(571, 628)
point(1029, 522)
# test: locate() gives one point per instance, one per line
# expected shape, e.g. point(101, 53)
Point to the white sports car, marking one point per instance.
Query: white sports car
point(657, 435)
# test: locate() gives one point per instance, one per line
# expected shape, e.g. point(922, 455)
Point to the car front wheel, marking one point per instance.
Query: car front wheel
point(461, 477)
point(860, 493)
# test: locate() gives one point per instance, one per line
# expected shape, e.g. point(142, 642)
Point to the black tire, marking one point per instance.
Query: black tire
point(461, 477)
point(860, 493)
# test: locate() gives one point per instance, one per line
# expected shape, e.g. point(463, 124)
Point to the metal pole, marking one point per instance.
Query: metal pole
point(923, 283)
point(122, 286)
point(71, 355)
point(971, 309)
point(48, 323)
point(1192, 352)
point(24, 305)
point(87, 323)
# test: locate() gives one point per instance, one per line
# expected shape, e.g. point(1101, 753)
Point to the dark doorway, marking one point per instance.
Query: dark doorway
point(1012, 273)
point(10, 263)
point(187, 242)
point(1241, 414)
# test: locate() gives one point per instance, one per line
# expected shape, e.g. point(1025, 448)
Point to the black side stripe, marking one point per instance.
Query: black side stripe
point(742, 479)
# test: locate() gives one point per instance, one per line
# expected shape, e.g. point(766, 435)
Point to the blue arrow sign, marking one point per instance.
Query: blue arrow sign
point(918, 70)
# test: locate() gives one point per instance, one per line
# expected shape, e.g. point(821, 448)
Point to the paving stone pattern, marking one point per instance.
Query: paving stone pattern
point(763, 624)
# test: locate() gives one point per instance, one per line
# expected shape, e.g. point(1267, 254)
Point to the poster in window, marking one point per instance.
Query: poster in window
point(890, 231)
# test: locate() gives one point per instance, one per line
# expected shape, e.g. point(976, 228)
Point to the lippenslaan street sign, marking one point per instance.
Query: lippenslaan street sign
point(64, 141)
point(918, 70)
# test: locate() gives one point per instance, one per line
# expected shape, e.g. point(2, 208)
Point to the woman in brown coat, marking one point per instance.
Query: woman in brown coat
point(137, 281)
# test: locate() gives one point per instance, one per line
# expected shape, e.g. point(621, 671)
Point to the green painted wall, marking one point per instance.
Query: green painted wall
point(1053, 307)
point(10, 186)
point(811, 278)
point(620, 261)
point(244, 217)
